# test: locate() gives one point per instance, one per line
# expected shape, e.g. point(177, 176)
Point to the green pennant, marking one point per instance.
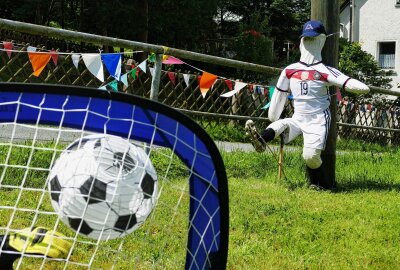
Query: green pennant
point(133, 73)
point(114, 85)
point(152, 57)
point(271, 91)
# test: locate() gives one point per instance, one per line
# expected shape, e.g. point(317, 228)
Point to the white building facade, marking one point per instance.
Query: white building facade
point(375, 24)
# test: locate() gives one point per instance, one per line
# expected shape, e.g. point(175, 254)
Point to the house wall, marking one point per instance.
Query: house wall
point(376, 21)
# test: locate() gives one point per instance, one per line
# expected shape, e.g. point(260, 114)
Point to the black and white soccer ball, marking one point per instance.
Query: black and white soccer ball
point(103, 186)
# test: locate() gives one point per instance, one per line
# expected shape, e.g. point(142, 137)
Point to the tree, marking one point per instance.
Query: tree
point(358, 64)
point(284, 20)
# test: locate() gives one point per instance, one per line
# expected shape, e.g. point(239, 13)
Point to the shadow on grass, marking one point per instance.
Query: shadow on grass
point(367, 185)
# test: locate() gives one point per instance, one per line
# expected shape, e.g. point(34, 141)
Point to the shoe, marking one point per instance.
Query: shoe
point(318, 179)
point(316, 187)
point(255, 137)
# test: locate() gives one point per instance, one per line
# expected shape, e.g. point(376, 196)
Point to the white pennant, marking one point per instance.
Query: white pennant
point(152, 71)
point(75, 59)
point(94, 65)
point(143, 65)
point(238, 87)
point(186, 78)
point(124, 79)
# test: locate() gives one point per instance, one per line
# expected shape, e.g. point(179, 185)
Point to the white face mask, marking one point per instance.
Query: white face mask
point(310, 49)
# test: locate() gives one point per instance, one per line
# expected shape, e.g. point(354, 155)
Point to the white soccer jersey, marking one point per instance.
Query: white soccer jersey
point(309, 85)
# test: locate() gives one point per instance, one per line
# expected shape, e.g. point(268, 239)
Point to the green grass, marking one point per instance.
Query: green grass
point(281, 224)
point(274, 224)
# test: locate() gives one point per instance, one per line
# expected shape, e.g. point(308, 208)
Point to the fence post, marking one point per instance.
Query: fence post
point(327, 11)
point(155, 81)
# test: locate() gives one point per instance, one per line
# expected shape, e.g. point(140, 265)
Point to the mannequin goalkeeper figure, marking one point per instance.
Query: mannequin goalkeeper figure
point(308, 81)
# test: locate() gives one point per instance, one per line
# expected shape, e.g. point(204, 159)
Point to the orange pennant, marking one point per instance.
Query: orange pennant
point(39, 61)
point(206, 81)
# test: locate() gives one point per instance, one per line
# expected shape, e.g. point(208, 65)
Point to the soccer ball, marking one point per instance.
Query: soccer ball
point(103, 186)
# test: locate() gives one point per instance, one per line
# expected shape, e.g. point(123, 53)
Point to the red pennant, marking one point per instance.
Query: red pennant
point(54, 57)
point(8, 46)
point(338, 94)
point(250, 87)
point(229, 84)
point(38, 61)
point(171, 76)
point(199, 78)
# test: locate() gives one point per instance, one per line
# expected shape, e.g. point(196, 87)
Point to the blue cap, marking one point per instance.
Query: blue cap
point(313, 29)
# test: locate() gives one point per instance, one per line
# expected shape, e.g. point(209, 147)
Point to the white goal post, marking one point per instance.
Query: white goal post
point(189, 226)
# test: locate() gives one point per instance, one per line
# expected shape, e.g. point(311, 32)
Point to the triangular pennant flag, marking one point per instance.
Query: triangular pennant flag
point(124, 79)
point(114, 85)
point(170, 60)
point(8, 46)
point(199, 79)
point(229, 84)
point(266, 106)
point(171, 76)
point(143, 66)
point(251, 88)
point(38, 61)
point(238, 86)
point(271, 90)
point(164, 57)
point(152, 71)
point(31, 49)
point(104, 87)
point(186, 78)
point(152, 58)
point(206, 81)
point(54, 57)
point(262, 90)
point(94, 65)
point(112, 62)
point(75, 59)
point(133, 73)
point(338, 94)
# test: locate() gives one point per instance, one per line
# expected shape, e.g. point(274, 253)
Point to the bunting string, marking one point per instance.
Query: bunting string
point(94, 62)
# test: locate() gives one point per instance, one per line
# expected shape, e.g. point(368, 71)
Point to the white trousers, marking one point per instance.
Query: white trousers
point(315, 129)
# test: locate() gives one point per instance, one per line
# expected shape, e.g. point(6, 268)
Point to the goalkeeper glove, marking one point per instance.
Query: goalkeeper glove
point(40, 240)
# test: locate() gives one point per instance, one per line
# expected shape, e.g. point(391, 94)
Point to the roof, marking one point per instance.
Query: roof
point(344, 5)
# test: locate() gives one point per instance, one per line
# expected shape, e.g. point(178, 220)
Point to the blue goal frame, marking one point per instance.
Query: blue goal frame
point(155, 123)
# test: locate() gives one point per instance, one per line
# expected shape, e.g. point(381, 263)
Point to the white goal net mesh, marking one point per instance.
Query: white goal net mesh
point(42, 183)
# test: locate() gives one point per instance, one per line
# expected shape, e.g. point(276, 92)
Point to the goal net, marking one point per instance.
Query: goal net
point(188, 224)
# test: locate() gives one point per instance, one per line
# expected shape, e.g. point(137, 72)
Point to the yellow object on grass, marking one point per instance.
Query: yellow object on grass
point(40, 240)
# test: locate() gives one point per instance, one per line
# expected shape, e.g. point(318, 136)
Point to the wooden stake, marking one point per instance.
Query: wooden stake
point(280, 159)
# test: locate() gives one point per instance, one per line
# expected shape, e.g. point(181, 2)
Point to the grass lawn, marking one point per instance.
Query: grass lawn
point(285, 225)
point(274, 224)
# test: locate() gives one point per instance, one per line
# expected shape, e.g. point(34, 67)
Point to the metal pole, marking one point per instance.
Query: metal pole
point(50, 32)
point(155, 82)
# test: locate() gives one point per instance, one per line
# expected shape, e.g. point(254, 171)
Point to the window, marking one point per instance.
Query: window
point(386, 56)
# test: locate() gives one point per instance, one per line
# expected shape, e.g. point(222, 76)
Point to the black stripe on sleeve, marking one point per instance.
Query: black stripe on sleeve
point(334, 72)
point(281, 90)
point(344, 84)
